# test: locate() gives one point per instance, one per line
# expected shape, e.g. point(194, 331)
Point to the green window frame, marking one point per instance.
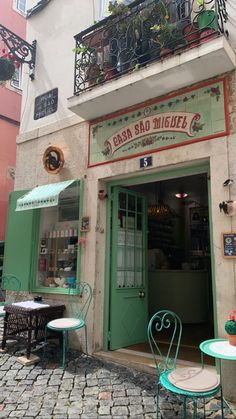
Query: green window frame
point(22, 244)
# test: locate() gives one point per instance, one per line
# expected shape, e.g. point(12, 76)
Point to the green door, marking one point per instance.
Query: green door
point(128, 303)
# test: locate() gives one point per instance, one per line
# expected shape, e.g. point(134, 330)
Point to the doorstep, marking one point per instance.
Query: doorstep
point(140, 361)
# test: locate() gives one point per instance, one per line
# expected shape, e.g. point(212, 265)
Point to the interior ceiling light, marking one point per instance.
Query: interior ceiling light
point(181, 195)
point(160, 210)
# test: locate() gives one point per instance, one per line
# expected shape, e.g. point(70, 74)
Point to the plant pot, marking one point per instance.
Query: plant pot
point(207, 19)
point(207, 34)
point(232, 340)
point(109, 73)
point(7, 69)
point(165, 51)
point(191, 34)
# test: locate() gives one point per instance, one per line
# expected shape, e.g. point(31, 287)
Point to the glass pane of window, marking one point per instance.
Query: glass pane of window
point(58, 244)
point(16, 79)
point(21, 5)
point(122, 200)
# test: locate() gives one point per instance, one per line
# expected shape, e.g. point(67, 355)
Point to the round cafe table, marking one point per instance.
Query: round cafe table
point(219, 349)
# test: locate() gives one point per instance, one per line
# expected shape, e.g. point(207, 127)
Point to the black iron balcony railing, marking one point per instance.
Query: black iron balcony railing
point(146, 31)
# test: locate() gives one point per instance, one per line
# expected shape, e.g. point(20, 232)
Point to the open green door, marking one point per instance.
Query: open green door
point(129, 299)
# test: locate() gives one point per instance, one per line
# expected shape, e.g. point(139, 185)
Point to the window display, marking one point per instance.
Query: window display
point(58, 242)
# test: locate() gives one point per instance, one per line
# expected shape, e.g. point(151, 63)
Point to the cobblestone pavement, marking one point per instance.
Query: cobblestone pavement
point(88, 388)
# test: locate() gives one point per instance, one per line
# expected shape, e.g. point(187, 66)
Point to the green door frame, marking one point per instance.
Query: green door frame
point(142, 178)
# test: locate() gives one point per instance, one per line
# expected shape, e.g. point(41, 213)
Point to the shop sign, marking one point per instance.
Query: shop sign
point(53, 160)
point(195, 115)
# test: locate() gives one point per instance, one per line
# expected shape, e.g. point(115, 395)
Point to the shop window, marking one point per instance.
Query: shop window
point(58, 242)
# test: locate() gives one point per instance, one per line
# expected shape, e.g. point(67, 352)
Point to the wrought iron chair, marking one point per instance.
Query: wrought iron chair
point(194, 383)
point(9, 283)
point(83, 294)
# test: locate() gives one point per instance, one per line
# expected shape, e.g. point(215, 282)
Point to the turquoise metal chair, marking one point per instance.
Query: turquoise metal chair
point(187, 383)
point(83, 296)
point(9, 283)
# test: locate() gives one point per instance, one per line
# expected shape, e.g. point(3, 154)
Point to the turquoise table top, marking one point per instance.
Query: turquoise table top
point(219, 348)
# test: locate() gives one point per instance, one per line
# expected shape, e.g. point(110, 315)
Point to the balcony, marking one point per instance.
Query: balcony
point(146, 50)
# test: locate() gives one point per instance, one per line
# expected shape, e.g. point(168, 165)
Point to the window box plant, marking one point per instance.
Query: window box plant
point(230, 327)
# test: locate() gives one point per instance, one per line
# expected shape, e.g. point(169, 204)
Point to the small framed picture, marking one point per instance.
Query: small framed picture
point(85, 224)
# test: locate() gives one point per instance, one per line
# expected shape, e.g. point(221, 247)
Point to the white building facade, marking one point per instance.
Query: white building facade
point(130, 136)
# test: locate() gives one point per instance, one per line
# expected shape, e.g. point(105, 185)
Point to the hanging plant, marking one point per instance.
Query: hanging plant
point(7, 68)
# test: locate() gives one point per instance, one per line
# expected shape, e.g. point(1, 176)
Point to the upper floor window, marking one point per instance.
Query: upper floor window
point(17, 78)
point(21, 5)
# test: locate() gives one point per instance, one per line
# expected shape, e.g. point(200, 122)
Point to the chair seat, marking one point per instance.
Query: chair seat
point(66, 323)
point(194, 379)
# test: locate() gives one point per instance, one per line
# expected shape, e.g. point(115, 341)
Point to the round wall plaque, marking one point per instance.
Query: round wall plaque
point(53, 160)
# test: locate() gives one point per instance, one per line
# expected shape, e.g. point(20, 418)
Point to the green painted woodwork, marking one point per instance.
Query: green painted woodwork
point(215, 321)
point(129, 315)
point(142, 178)
point(21, 244)
point(19, 241)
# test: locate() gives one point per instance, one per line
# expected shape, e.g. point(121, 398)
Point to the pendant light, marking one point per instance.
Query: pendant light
point(160, 210)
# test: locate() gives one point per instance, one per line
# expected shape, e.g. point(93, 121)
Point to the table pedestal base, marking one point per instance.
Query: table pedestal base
point(33, 359)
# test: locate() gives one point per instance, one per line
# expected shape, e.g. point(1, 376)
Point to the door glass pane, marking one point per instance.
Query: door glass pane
point(131, 203)
point(130, 249)
point(130, 258)
point(139, 221)
point(120, 279)
point(139, 204)
point(121, 257)
point(130, 282)
point(122, 200)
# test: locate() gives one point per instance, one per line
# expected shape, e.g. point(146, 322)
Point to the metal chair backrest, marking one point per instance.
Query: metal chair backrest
point(165, 329)
point(83, 297)
point(10, 283)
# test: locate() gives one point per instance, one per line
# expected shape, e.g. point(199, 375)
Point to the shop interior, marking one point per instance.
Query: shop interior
point(179, 260)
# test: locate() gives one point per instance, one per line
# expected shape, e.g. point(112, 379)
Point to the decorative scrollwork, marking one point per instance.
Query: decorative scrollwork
point(148, 31)
point(21, 50)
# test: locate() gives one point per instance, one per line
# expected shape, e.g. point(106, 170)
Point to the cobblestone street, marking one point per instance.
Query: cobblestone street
point(87, 388)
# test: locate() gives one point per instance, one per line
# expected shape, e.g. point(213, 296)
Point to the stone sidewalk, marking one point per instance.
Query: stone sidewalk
point(87, 388)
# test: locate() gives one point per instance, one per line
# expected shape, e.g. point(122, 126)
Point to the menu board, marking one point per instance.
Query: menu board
point(229, 245)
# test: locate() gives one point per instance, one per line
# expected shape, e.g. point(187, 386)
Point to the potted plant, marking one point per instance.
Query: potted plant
point(167, 36)
point(230, 327)
point(7, 68)
point(207, 21)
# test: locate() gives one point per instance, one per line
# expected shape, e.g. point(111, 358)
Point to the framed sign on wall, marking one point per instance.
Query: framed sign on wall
point(229, 245)
point(85, 224)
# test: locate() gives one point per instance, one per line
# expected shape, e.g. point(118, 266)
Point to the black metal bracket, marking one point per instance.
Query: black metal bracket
point(22, 51)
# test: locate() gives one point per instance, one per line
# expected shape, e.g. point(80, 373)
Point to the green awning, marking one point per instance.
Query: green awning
point(42, 196)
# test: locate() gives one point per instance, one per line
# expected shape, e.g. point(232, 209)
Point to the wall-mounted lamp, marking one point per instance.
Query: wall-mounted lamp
point(102, 194)
point(228, 182)
point(229, 207)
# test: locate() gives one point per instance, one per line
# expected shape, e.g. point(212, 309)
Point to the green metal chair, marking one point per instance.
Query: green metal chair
point(9, 283)
point(193, 383)
point(83, 296)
